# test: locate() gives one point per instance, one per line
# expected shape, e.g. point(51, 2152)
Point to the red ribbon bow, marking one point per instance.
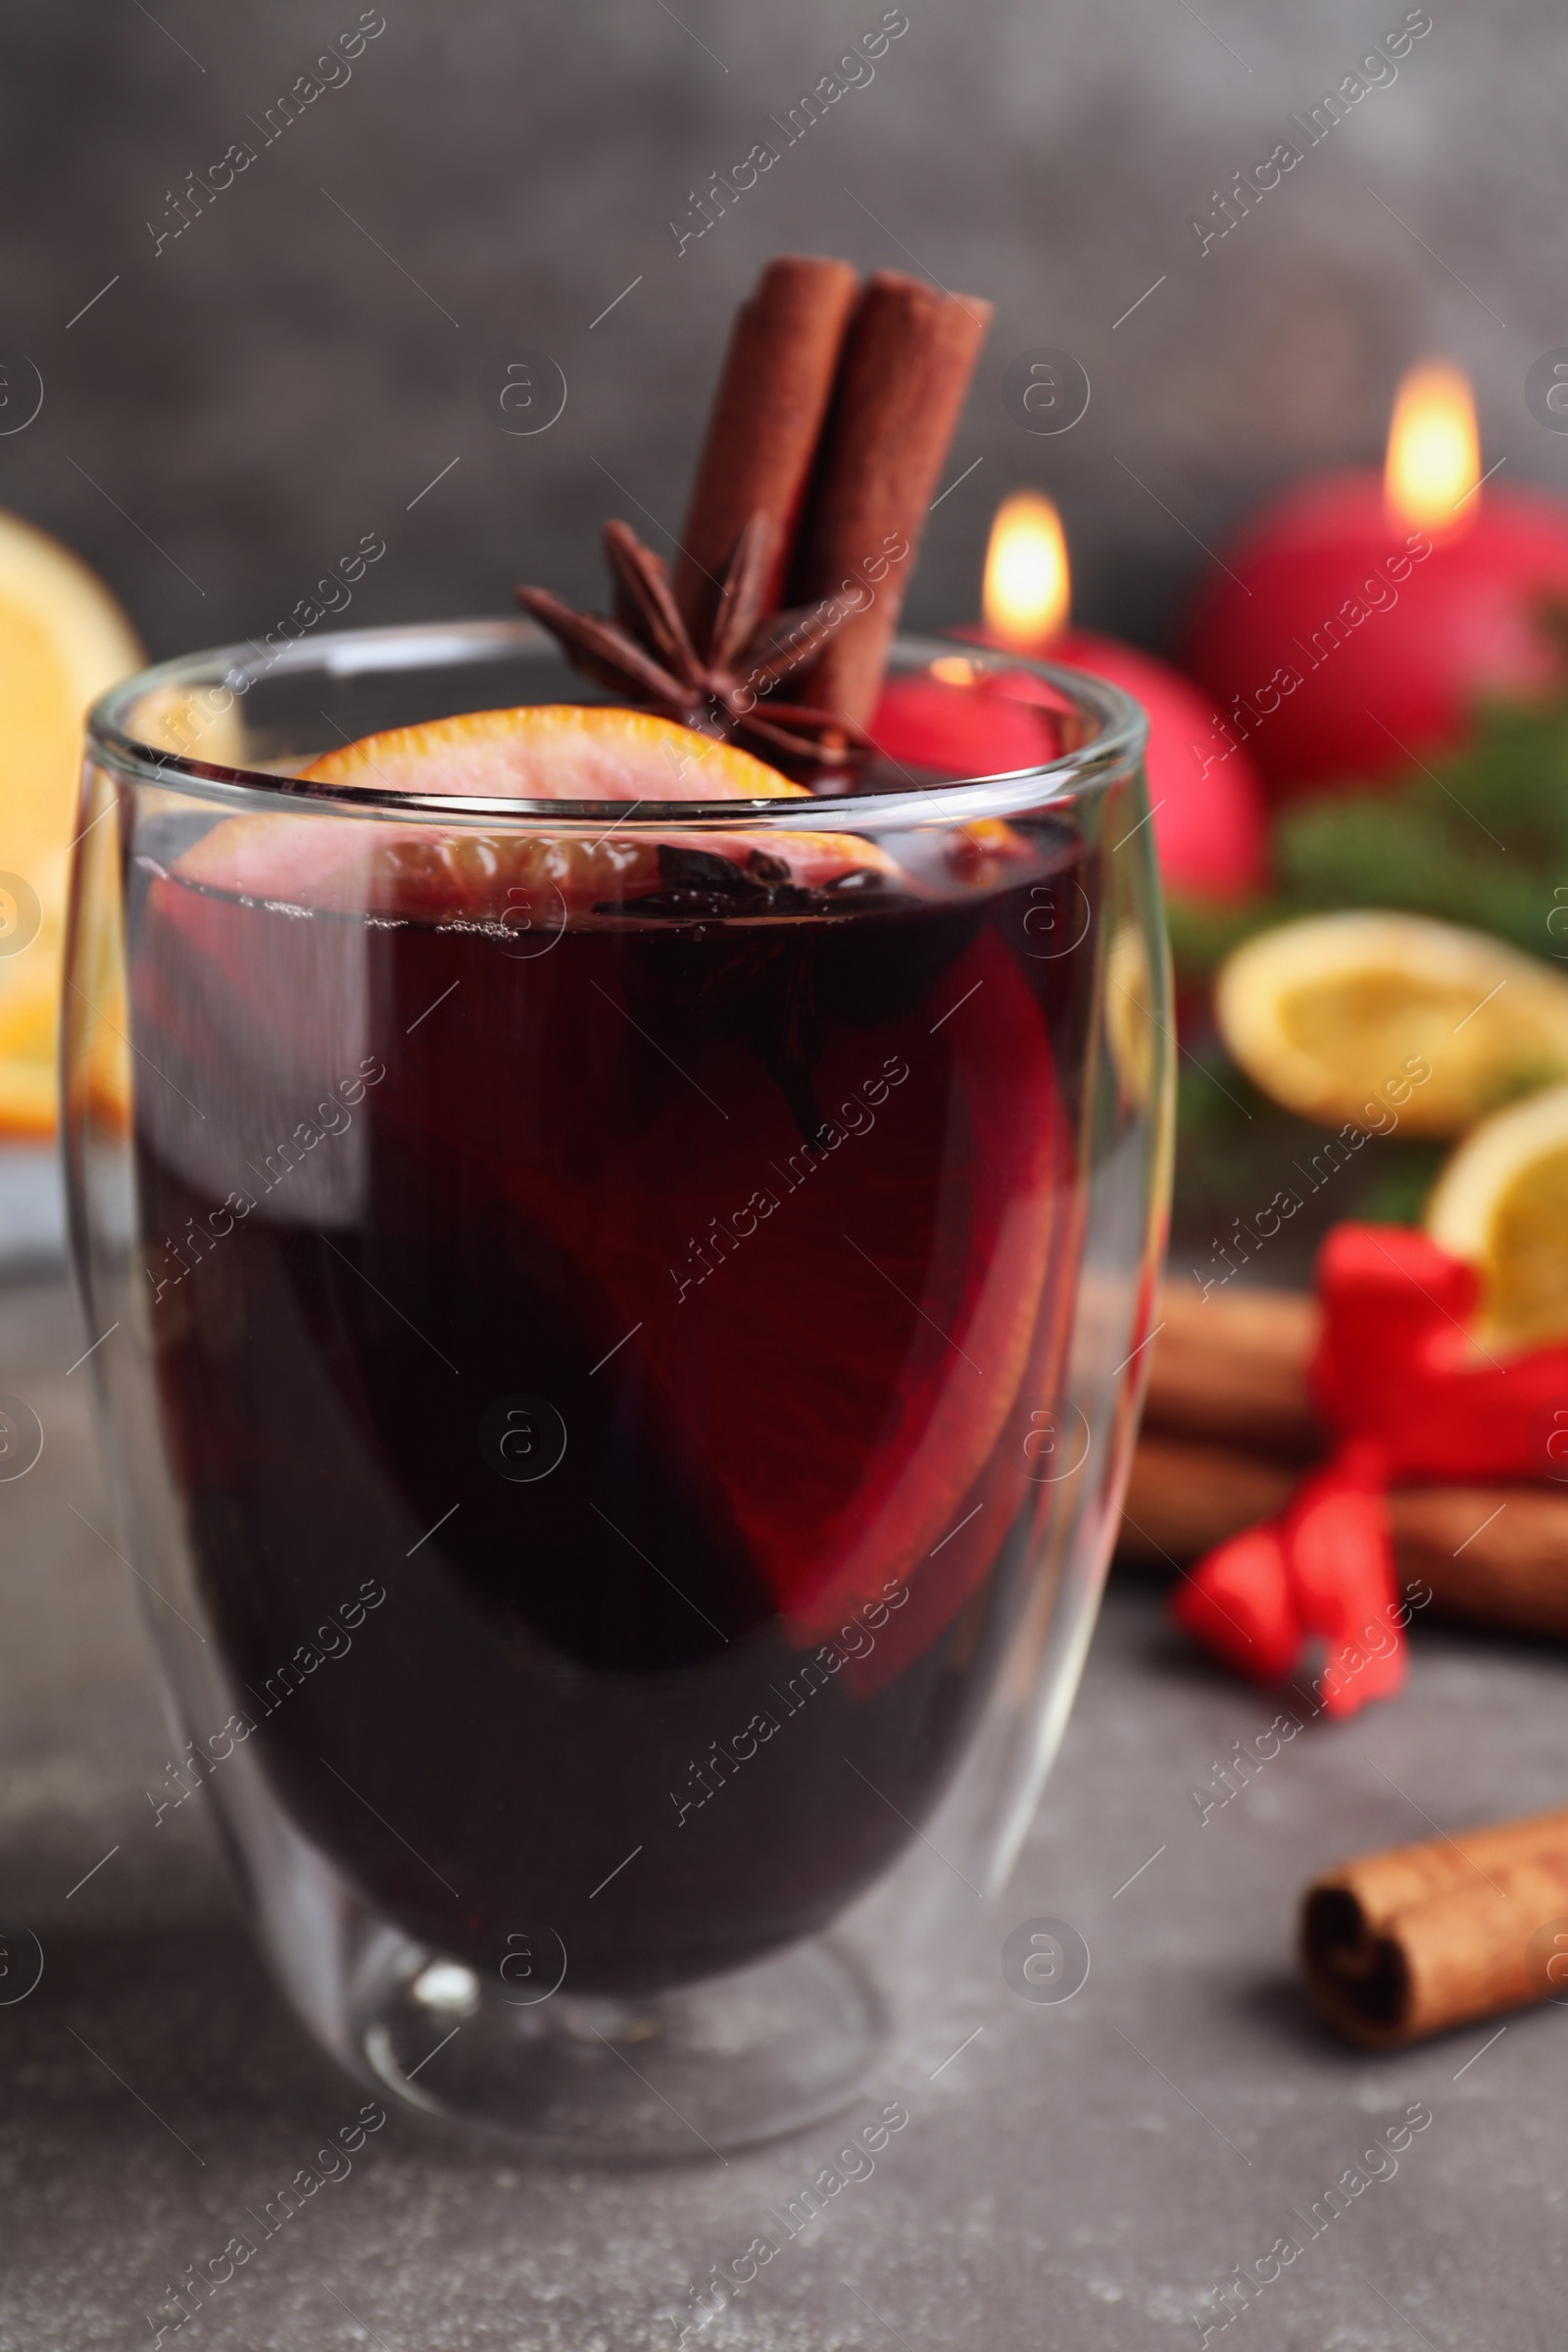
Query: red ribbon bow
point(1410, 1395)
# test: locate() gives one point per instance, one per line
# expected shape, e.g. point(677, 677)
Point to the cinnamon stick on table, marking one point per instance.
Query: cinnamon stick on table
point(1232, 1369)
point(763, 433)
point(1228, 1428)
point(908, 359)
point(1405, 1943)
point(1497, 1555)
point(1183, 1499)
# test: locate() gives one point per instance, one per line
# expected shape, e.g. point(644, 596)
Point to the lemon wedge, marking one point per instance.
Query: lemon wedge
point(1337, 1017)
point(1503, 1204)
point(63, 640)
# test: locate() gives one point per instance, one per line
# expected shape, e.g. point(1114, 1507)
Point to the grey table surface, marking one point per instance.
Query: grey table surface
point(1081, 2173)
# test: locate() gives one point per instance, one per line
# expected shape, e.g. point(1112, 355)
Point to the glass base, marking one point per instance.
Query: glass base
point(662, 2077)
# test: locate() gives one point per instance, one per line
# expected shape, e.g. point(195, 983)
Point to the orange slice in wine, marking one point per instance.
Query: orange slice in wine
point(519, 882)
point(514, 877)
point(555, 752)
point(857, 1373)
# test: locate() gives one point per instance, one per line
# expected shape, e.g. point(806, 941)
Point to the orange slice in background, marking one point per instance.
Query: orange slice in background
point(27, 1018)
point(62, 641)
point(1329, 1013)
point(1501, 1204)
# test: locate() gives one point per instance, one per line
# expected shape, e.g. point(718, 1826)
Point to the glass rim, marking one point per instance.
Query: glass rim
point(1120, 725)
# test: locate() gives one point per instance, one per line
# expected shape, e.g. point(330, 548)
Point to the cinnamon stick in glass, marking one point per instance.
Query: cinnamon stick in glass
point(908, 359)
point(766, 420)
point(1402, 1944)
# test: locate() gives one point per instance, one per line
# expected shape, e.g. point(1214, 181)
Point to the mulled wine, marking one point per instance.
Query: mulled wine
point(601, 1345)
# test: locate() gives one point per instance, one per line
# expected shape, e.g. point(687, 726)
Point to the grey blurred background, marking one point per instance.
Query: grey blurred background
point(240, 405)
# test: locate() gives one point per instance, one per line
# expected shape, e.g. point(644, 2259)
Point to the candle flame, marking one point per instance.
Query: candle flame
point(1434, 459)
point(1027, 584)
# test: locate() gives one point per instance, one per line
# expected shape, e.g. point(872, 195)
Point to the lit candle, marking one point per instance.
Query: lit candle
point(1356, 620)
point(1208, 818)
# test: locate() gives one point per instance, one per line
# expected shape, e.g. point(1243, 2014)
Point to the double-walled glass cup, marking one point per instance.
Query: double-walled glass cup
point(624, 1330)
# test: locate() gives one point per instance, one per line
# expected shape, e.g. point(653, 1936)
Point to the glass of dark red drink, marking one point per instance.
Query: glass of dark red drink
point(625, 1340)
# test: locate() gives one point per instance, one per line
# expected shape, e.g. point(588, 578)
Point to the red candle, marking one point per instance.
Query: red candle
point(1209, 817)
point(1358, 618)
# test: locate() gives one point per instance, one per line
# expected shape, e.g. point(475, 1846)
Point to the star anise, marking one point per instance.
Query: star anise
point(647, 653)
